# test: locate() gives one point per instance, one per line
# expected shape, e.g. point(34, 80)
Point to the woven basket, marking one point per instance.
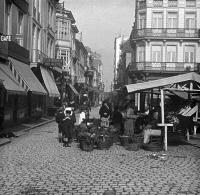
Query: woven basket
point(133, 147)
point(104, 142)
point(125, 140)
point(86, 146)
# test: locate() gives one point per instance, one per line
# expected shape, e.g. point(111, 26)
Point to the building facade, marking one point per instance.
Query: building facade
point(165, 39)
point(42, 27)
point(117, 52)
point(19, 84)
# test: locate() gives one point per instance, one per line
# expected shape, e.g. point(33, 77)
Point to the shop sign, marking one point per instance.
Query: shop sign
point(52, 62)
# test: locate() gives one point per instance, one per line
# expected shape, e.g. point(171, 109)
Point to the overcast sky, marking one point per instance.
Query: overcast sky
point(100, 21)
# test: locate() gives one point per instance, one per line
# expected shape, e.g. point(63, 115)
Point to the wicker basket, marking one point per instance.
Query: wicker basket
point(133, 147)
point(104, 142)
point(86, 146)
point(125, 140)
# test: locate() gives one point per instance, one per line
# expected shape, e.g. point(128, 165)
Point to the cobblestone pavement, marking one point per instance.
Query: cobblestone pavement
point(36, 163)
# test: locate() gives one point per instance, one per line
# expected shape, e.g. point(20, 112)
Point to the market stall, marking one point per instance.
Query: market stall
point(185, 83)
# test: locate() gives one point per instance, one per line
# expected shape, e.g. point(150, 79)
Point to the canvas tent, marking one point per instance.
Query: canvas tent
point(191, 77)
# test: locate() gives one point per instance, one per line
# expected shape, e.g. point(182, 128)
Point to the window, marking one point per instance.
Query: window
point(156, 53)
point(20, 27)
point(190, 20)
point(172, 20)
point(9, 19)
point(141, 54)
point(157, 21)
point(189, 54)
point(39, 40)
point(142, 21)
point(171, 54)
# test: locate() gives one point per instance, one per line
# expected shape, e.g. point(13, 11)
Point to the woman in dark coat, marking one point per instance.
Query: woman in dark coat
point(67, 129)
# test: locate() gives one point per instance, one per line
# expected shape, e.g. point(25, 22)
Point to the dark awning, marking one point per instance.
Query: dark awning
point(49, 82)
point(73, 89)
point(9, 81)
point(28, 76)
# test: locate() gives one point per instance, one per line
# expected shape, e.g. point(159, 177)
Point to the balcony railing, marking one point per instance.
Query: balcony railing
point(13, 49)
point(38, 56)
point(164, 66)
point(166, 33)
point(172, 3)
point(190, 3)
point(141, 4)
point(157, 3)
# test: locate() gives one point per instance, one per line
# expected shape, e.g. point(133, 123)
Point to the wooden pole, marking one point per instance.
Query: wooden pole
point(163, 118)
point(138, 101)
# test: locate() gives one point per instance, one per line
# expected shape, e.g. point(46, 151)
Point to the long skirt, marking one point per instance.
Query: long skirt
point(129, 127)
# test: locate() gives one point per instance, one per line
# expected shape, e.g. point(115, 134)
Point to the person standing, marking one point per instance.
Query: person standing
point(129, 120)
point(59, 118)
point(117, 119)
point(105, 114)
point(67, 129)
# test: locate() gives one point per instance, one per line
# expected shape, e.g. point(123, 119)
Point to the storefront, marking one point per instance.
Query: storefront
point(13, 97)
point(36, 92)
point(46, 77)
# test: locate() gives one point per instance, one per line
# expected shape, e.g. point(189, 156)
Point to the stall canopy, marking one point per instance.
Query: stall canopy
point(49, 82)
point(192, 76)
point(28, 76)
point(73, 89)
point(9, 81)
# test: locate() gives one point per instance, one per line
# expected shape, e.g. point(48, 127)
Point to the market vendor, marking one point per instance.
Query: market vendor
point(130, 118)
point(151, 129)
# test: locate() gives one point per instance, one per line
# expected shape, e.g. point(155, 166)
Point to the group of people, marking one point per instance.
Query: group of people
point(130, 122)
point(127, 121)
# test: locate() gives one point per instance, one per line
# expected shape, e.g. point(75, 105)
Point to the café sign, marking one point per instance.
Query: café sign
point(52, 62)
point(6, 38)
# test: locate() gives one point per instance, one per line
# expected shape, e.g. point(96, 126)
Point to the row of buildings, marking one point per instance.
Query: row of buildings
point(42, 61)
point(164, 41)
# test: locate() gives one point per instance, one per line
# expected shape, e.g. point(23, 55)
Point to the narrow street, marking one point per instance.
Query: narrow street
point(36, 163)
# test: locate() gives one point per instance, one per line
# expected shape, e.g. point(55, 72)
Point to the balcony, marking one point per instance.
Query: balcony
point(163, 67)
point(38, 56)
point(172, 3)
point(12, 49)
point(157, 3)
point(190, 3)
point(141, 4)
point(165, 33)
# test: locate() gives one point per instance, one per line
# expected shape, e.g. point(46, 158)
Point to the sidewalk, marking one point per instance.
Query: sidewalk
point(23, 128)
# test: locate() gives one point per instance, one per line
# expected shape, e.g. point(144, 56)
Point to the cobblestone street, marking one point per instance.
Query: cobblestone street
point(36, 163)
